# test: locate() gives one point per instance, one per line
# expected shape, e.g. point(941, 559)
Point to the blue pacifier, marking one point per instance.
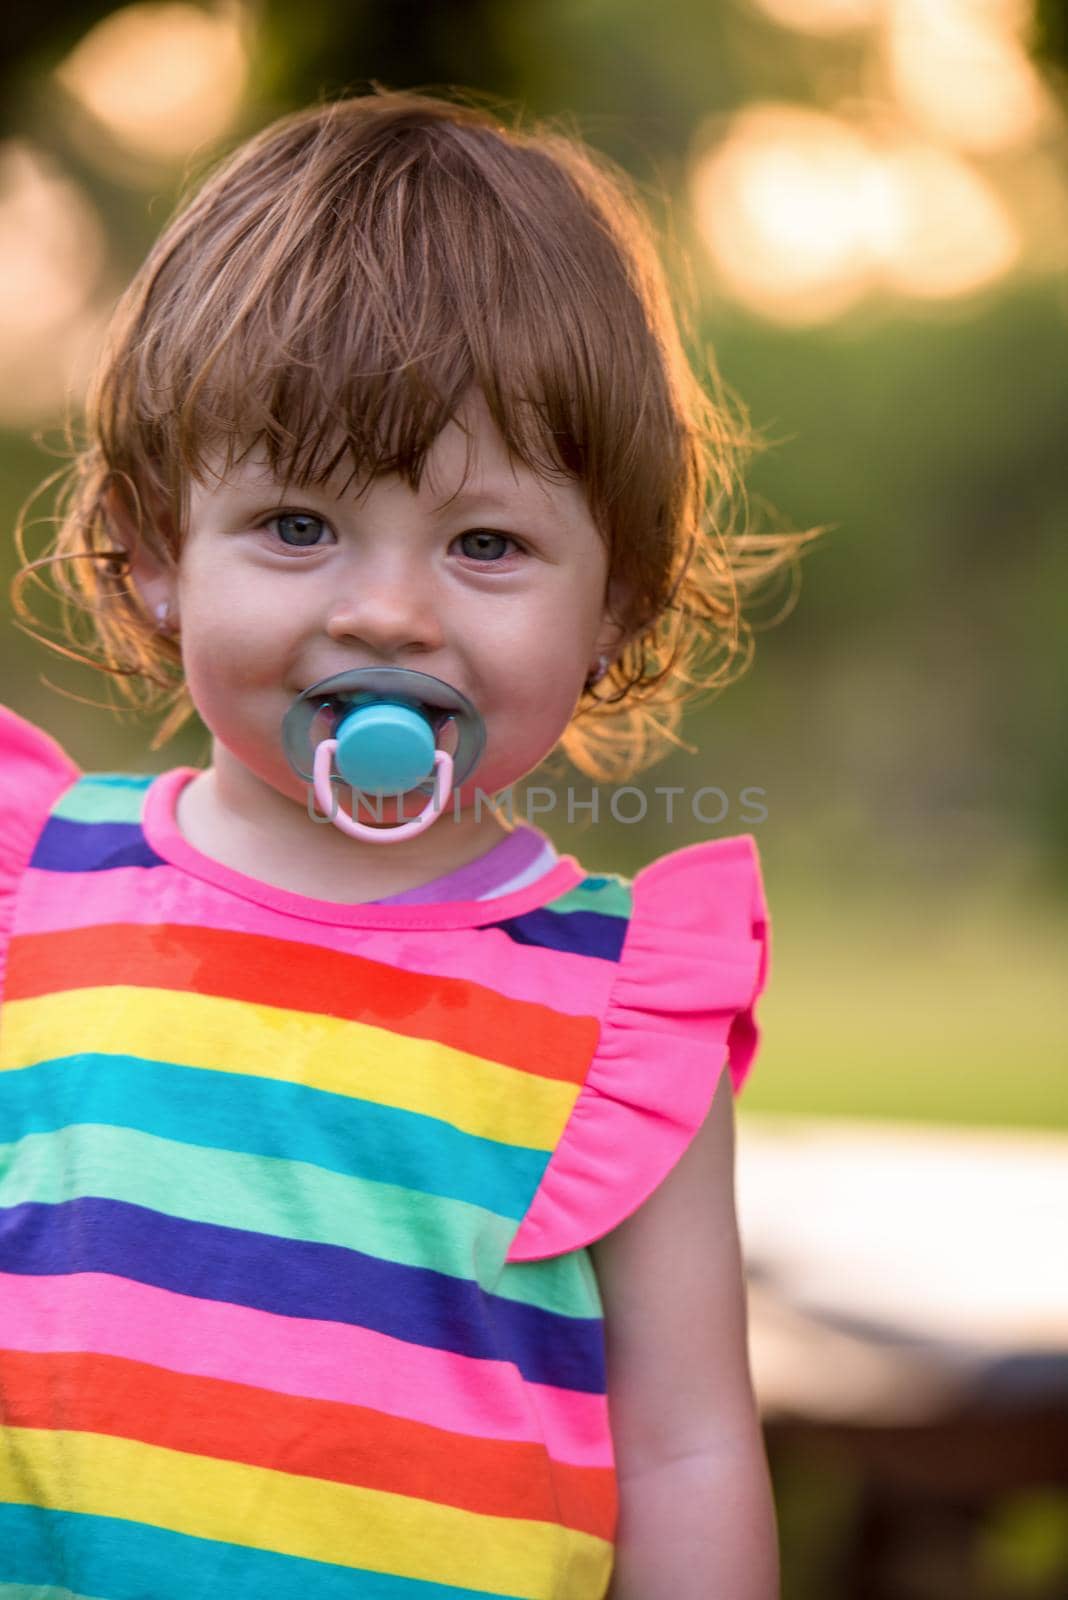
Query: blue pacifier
point(376, 729)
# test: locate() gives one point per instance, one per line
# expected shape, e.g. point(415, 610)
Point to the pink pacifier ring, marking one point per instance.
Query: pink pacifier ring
point(327, 799)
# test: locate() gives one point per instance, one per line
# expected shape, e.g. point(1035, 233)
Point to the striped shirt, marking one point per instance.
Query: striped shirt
point(296, 1201)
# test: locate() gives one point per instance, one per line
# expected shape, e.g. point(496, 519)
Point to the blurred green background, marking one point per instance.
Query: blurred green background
point(865, 207)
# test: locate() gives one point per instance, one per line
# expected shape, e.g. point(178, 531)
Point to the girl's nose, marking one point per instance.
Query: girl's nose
point(389, 609)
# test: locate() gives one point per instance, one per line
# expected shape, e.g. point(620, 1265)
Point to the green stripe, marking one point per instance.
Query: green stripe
point(105, 797)
point(233, 1190)
point(39, 1591)
point(609, 897)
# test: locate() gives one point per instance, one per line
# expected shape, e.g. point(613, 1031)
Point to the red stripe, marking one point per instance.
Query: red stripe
point(274, 972)
point(312, 1438)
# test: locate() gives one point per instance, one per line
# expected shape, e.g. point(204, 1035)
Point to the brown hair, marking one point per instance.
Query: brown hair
point(330, 294)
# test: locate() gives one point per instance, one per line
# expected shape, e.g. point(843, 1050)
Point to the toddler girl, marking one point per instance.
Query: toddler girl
point(366, 1195)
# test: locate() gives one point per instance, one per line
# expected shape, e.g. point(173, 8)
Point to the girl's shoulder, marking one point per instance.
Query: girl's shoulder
point(693, 959)
point(34, 772)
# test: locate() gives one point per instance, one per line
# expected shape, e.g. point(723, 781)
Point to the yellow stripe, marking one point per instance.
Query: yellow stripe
point(331, 1053)
point(313, 1518)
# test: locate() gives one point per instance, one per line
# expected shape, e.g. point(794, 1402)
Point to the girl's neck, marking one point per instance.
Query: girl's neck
point(234, 817)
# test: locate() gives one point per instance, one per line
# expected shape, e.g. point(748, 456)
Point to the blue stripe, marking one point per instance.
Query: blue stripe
point(581, 933)
point(66, 846)
point(119, 1560)
point(297, 1278)
point(261, 1117)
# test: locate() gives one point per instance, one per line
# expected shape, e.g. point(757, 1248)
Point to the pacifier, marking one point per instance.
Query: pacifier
point(377, 729)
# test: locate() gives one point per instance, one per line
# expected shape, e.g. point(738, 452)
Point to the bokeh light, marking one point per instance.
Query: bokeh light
point(959, 69)
point(47, 284)
point(821, 16)
point(160, 79)
point(803, 213)
point(779, 203)
point(946, 231)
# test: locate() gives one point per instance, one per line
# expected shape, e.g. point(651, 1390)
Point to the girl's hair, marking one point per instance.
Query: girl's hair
point(329, 295)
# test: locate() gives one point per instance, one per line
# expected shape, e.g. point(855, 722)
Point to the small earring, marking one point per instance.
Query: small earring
point(163, 618)
point(603, 664)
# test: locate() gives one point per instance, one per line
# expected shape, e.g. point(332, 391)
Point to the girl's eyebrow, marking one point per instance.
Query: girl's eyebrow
point(480, 495)
point(259, 475)
point(527, 497)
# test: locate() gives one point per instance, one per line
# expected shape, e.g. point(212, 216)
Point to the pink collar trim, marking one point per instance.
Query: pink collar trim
point(162, 833)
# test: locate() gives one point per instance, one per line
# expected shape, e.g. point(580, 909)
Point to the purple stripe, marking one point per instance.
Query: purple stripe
point(508, 857)
point(580, 933)
point(300, 1278)
point(66, 846)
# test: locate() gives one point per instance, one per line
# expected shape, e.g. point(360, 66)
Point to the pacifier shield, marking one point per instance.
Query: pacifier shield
point(398, 702)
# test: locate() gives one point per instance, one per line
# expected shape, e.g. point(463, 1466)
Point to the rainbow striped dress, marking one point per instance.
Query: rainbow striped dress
point(296, 1298)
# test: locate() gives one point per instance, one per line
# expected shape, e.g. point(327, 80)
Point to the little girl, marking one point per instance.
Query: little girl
point(366, 1190)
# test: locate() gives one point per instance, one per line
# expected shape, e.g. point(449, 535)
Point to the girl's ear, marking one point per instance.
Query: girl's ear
point(612, 633)
point(154, 577)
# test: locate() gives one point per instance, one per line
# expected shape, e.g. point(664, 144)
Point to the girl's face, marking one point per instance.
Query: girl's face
point(501, 592)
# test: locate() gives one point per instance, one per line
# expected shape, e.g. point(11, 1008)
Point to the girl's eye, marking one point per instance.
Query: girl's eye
point(299, 529)
point(485, 545)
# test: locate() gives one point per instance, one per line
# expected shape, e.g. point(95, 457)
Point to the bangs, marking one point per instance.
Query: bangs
point(336, 322)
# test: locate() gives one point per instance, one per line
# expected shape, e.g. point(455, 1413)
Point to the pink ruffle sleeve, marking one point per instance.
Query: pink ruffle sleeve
point(695, 957)
point(33, 774)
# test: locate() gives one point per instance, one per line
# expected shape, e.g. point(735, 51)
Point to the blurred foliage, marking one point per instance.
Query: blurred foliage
point(32, 40)
point(1051, 31)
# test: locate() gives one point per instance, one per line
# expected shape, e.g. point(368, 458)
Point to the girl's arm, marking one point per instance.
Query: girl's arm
point(696, 1517)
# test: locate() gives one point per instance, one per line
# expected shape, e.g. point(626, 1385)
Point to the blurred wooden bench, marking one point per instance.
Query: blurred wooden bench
point(908, 1306)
